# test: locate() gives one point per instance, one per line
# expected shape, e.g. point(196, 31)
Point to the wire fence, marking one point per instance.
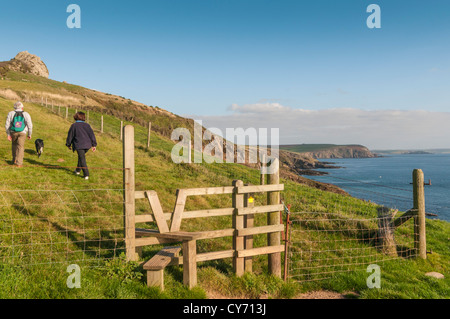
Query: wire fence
point(60, 226)
point(338, 235)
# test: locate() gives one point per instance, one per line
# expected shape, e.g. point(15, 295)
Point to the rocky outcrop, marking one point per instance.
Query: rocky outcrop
point(302, 164)
point(28, 63)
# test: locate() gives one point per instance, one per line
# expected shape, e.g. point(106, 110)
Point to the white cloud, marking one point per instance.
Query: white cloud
point(377, 129)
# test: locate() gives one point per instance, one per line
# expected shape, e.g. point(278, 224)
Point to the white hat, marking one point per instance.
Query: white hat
point(18, 106)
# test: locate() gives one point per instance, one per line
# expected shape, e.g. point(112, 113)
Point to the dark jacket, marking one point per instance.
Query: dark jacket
point(81, 136)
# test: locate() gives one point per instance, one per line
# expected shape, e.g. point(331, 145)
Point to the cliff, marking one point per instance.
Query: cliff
point(324, 151)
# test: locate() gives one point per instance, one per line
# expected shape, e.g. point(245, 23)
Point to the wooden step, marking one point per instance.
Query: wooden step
point(162, 258)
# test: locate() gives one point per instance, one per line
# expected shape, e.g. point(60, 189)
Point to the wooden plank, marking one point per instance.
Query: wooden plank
point(178, 210)
point(155, 278)
point(157, 211)
point(260, 230)
point(208, 213)
point(190, 263)
point(210, 234)
point(139, 194)
point(222, 254)
point(144, 218)
point(146, 241)
point(404, 218)
point(260, 209)
point(209, 191)
point(260, 251)
point(162, 258)
point(260, 188)
point(180, 235)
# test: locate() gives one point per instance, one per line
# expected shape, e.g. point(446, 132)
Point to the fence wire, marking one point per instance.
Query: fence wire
point(56, 226)
point(337, 234)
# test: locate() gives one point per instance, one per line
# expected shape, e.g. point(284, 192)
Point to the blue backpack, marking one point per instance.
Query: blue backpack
point(18, 123)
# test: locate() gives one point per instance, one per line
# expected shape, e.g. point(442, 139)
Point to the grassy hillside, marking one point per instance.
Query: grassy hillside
point(36, 220)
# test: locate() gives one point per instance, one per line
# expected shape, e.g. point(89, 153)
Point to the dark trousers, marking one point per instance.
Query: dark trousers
point(82, 162)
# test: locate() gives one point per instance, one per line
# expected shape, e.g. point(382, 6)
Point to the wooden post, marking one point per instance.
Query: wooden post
point(238, 223)
point(67, 112)
point(129, 196)
point(148, 136)
point(46, 103)
point(59, 110)
point(262, 177)
point(121, 130)
point(420, 242)
point(249, 221)
point(189, 152)
point(190, 263)
point(385, 233)
point(101, 124)
point(273, 198)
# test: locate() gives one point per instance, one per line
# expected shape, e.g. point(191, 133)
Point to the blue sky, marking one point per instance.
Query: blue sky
point(201, 57)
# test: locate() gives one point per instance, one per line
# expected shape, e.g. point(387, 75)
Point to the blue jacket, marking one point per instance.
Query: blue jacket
point(81, 136)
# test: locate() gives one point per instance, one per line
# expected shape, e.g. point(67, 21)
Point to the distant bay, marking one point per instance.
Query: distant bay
point(386, 180)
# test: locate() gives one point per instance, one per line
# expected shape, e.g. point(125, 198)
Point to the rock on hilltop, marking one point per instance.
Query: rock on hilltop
point(25, 62)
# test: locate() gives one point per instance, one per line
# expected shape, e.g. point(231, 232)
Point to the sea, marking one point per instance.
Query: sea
point(387, 180)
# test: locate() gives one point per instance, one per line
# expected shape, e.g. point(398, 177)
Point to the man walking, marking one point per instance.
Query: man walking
point(18, 126)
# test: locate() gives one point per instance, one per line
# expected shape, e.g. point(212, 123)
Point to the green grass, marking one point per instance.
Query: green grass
point(58, 218)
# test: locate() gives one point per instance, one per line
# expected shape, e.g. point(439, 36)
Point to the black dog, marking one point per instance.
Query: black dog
point(39, 146)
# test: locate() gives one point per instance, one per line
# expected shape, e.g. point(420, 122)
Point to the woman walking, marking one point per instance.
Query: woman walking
point(81, 138)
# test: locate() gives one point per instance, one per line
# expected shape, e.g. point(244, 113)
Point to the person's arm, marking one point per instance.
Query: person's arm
point(29, 124)
point(93, 139)
point(70, 137)
point(8, 125)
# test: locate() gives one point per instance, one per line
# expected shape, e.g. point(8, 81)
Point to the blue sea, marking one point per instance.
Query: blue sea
point(387, 180)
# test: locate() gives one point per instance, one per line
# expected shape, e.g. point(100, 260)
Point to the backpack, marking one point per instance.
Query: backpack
point(18, 123)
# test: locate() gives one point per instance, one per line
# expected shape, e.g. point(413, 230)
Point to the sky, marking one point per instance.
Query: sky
point(313, 69)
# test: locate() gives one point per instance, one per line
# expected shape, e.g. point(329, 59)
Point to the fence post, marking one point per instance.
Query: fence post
point(148, 136)
point(420, 241)
point(121, 130)
point(101, 124)
point(238, 223)
point(129, 196)
point(262, 177)
point(273, 198)
point(249, 221)
point(67, 112)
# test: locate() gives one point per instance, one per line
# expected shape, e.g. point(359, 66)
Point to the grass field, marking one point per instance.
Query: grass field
point(58, 219)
